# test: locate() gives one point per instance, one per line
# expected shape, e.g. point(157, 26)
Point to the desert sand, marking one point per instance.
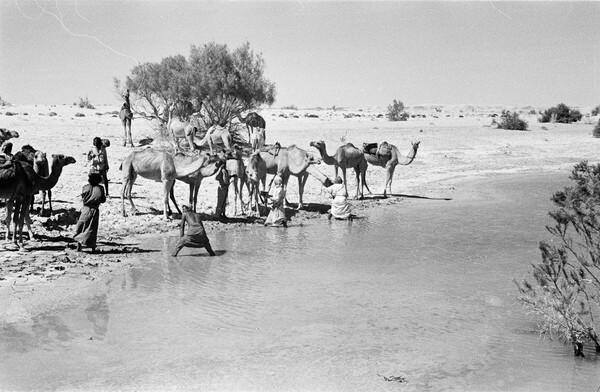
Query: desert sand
point(456, 143)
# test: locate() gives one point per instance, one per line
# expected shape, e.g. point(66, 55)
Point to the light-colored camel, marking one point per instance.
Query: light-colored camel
point(390, 161)
point(183, 123)
point(257, 139)
point(346, 157)
point(126, 116)
point(23, 183)
point(159, 166)
point(6, 134)
point(194, 180)
point(237, 176)
point(253, 121)
point(282, 161)
point(217, 134)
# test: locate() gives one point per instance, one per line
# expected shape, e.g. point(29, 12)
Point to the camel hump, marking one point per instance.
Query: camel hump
point(7, 169)
point(384, 149)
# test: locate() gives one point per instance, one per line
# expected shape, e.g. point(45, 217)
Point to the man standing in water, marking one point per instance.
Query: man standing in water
point(196, 235)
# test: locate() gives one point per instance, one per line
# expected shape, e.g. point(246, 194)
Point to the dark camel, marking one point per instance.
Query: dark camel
point(253, 120)
point(19, 185)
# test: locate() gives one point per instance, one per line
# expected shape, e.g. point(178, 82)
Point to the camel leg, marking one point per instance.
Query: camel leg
point(359, 194)
point(167, 186)
point(172, 197)
point(301, 182)
point(7, 220)
point(388, 180)
point(49, 201)
point(127, 187)
point(129, 138)
point(343, 177)
point(194, 195)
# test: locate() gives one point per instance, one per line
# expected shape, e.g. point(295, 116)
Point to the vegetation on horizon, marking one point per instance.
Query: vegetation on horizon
point(223, 82)
point(596, 132)
point(560, 114)
point(84, 103)
point(512, 121)
point(566, 291)
point(395, 111)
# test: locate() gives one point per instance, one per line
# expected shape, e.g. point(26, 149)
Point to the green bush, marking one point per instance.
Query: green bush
point(560, 114)
point(511, 120)
point(566, 291)
point(596, 110)
point(395, 112)
point(597, 129)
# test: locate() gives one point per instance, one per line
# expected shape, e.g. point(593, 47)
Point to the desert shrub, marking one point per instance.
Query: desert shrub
point(395, 112)
point(511, 120)
point(566, 290)
point(84, 103)
point(596, 110)
point(596, 132)
point(560, 114)
point(290, 107)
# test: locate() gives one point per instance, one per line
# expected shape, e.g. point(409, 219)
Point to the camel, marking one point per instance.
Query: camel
point(389, 161)
point(159, 166)
point(346, 156)
point(126, 116)
point(257, 139)
point(39, 162)
point(217, 134)
point(183, 122)
point(194, 180)
point(282, 161)
point(6, 134)
point(253, 120)
point(237, 173)
point(19, 185)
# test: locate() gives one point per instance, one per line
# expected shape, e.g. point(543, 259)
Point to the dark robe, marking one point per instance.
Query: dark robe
point(86, 231)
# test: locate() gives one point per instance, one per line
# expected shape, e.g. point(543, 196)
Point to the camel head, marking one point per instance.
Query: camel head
point(40, 163)
point(255, 167)
point(415, 145)
point(8, 134)
point(62, 160)
point(319, 145)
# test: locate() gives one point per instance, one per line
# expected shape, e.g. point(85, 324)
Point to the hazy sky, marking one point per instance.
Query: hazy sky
point(317, 53)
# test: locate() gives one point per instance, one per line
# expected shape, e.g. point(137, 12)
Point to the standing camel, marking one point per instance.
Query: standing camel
point(159, 166)
point(346, 156)
point(254, 120)
point(22, 182)
point(126, 116)
point(389, 161)
point(283, 161)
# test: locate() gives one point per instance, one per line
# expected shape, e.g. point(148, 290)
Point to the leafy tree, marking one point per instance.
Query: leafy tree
point(566, 291)
point(561, 114)
point(222, 82)
point(512, 121)
point(395, 111)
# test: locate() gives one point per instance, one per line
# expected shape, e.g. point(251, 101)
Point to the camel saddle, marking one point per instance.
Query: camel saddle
point(383, 150)
point(7, 169)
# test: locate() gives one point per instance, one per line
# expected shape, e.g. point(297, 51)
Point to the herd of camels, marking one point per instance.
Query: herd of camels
point(194, 165)
point(29, 173)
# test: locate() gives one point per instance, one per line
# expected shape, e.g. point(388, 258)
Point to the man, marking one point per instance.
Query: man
point(99, 161)
point(222, 193)
point(196, 235)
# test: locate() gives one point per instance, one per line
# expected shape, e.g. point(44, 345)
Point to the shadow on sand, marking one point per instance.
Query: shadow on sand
point(401, 195)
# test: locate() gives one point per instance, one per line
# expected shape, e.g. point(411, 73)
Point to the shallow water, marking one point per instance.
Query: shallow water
point(422, 289)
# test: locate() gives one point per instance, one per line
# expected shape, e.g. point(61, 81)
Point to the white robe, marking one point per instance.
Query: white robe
point(340, 208)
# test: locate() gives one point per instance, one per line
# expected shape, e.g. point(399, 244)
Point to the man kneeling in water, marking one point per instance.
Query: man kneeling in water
point(340, 208)
point(196, 235)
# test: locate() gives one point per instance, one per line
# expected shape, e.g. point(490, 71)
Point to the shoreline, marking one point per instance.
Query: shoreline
point(453, 149)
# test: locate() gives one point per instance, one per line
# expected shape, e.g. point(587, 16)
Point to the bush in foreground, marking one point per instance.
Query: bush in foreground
point(566, 290)
point(512, 121)
point(560, 114)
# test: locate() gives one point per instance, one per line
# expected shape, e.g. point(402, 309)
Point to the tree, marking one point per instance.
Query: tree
point(395, 111)
point(566, 291)
point(224, 83)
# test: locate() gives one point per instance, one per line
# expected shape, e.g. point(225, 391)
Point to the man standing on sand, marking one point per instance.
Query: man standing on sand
point(196, 235)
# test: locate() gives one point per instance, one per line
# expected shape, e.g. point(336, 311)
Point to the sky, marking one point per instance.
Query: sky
point(318, 53)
